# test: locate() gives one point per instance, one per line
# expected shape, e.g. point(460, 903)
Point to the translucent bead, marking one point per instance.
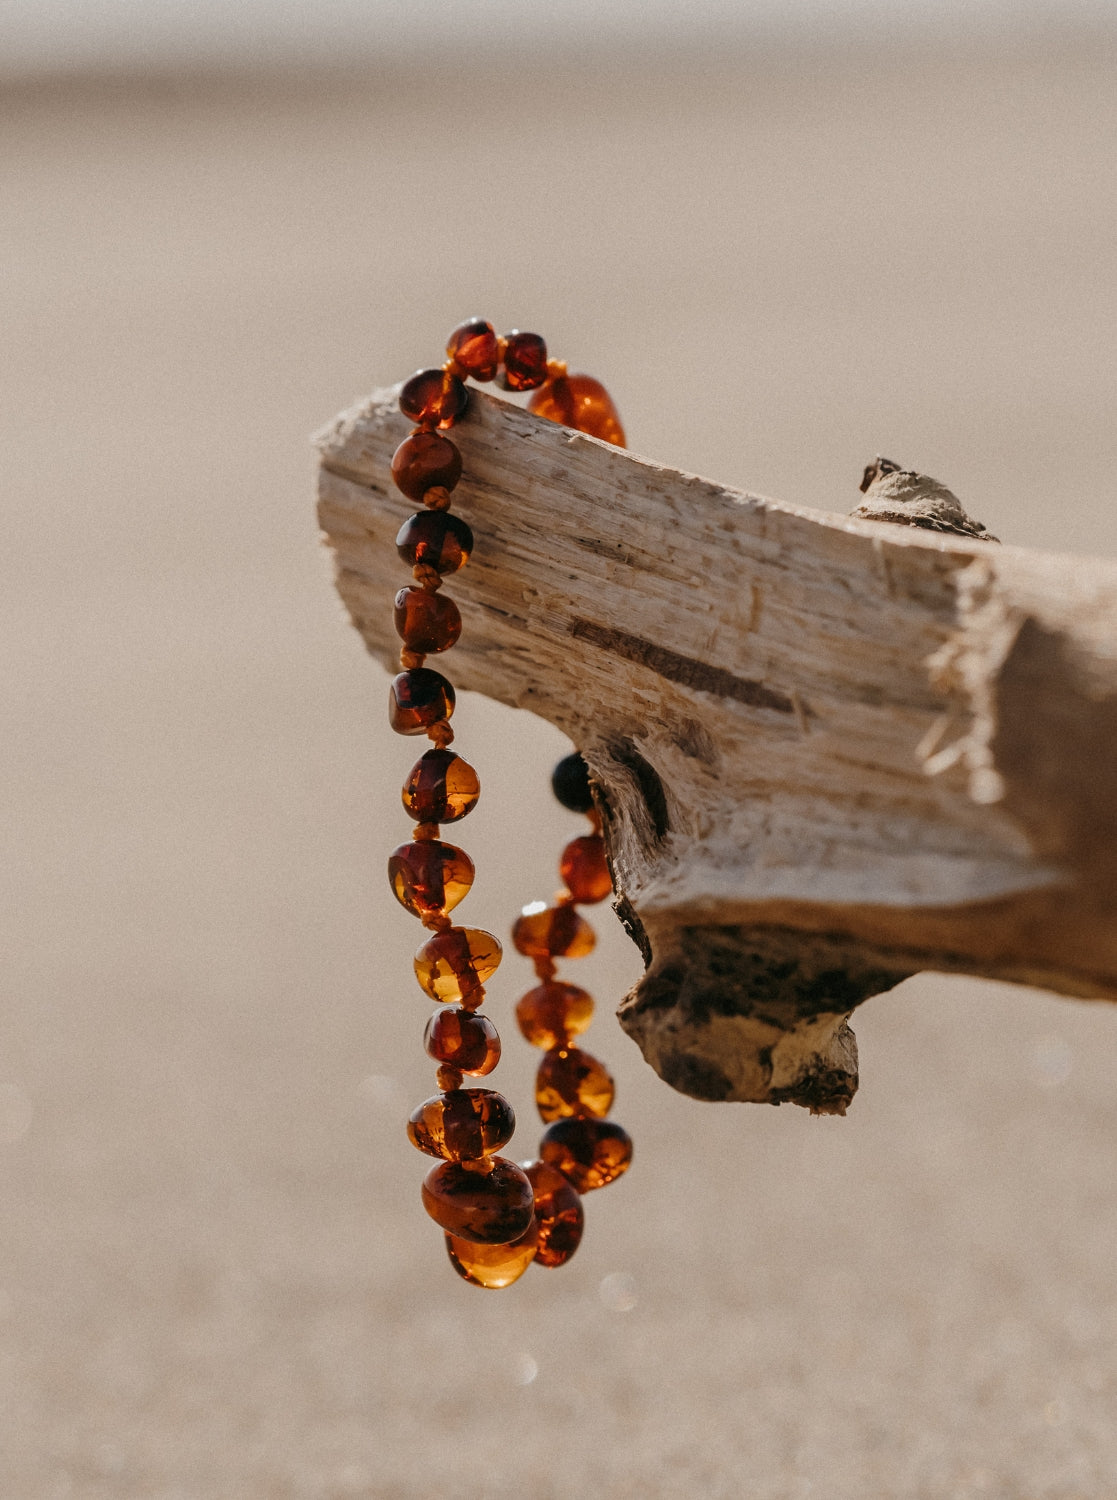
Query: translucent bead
point(556, 932)
point(425, 621)
point(492, 1266)
point(579, 401)
point(454, 964)
point(590, 1153)
point(433, 397)
point(429, 876)
point(437, 538)
point(559, 1215)
point(441, 788)
point(462, 1125)
point(584, 870)
point(571, 1082)
point(525, 362)
point(473, 346)
point(485, 1210)
point(463, 1039)
point(570, 782)
point(550, 1014)
point(423, 461)
point(417, 699)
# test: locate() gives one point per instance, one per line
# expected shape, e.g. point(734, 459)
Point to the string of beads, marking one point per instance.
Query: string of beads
point(497, 1217)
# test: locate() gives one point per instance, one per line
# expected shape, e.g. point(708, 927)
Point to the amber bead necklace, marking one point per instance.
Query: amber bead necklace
point(498, 1217)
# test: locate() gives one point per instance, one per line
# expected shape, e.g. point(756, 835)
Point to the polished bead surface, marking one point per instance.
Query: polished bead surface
point(436, 538)
point(486, 1210)
point(417, 699)
point(429, 876)
point(440, 788)
point(425, 621)
point(584, 869)
point(570, 782)
point(579, 401)
point(589, 1153)
point(492, 1266)
point(556, 932)
point(433, 397)
point(462, 1039)
point(550, 1014)
point(463, 1124)
point(423, 461)
point(571, 1082)
point(559, 1215)
point(525, 361)
point(473, 346)
point(453, 965)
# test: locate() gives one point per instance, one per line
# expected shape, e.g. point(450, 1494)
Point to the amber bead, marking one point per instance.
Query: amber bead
point(436, 538)
point(493, 1266)
point(550, 1014)
point(454, 964)
point(579, 401)
point(571, 1082)
point(425, 621)
point(429, 876)
point(525, 361)
point(433, 397)
point(486, 1210)
point(462, 1125)
point(423, 461)
point(556, 931)
point(559, 1215)
point(441, 788)
point(570, 782)
point(417, 699)
point(463, 1039)
point(473, 347)
point(584, 870)
point(590, 1153)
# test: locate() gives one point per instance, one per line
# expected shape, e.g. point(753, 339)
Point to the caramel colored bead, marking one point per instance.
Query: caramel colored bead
point(579, 401)
point(584, 871)
point(426, 622)
point(424, 461)
point(453, 965)
point(525, 361)
point(473, 347)
point(417, 699)
point(429, 876)
point(492, 1266)
point(433, 397)
point(556, 932)
point(550, 1014)
point(485, 1210)
point(463, 1039)
point(589, 1153)
point(435, 539)
point(441, 788)
point(559, 1215)
point(571, 1082)
point(462, 1125)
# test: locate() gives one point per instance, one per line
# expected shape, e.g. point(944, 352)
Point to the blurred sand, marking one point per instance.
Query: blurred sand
point(216, 1282)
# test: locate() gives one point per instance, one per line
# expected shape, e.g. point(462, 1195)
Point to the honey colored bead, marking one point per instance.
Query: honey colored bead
point(550, 1014)
point(556, 932)
point(463, 1039)
point(435, 539)
point(426, 622)
point(485, 1210)
point(429, 876)
point(570, 782)
point(433, 397)
point(584, 870)
point(473, 347)
point(579, 401)
point(417, 699)
point(559, 1215)
point(492, 1266)
point(462, 1125)
point(424, 461)
point(525, 361)
point(589, 1153)
point(571, 1082)
point(441, 788)
point(453, 965)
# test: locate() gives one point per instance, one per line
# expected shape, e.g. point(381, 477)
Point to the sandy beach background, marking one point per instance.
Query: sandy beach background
point(216, 1281)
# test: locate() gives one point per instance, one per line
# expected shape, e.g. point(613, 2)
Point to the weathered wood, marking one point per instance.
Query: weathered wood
point(830, 751)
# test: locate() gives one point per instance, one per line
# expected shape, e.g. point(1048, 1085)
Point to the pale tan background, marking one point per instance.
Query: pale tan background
point(216, 1281)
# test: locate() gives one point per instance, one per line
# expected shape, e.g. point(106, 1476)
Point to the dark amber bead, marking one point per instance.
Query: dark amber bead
point(492, 1266)
point(417, 699)
point(425, 621)
point(462, 1125)
point(590, 1153)
point(525, 361)
point(571, 1082)
point(454, 964)
point(423, 460)
point(441, 788)
point(429, 876)
point(463, 1039)
point(579, 401)
point(433, 397)
point(559, 1215)
point(556, 932)
point(473, 346)
point(492, 1209)
point(584, 870)
point(550, 1014)
point(570, 782)
point(436, 538)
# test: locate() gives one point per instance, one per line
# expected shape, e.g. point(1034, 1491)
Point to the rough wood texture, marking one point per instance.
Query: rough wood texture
point(831, 752)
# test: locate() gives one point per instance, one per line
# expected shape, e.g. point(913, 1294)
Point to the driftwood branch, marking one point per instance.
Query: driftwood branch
point(831, 751)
